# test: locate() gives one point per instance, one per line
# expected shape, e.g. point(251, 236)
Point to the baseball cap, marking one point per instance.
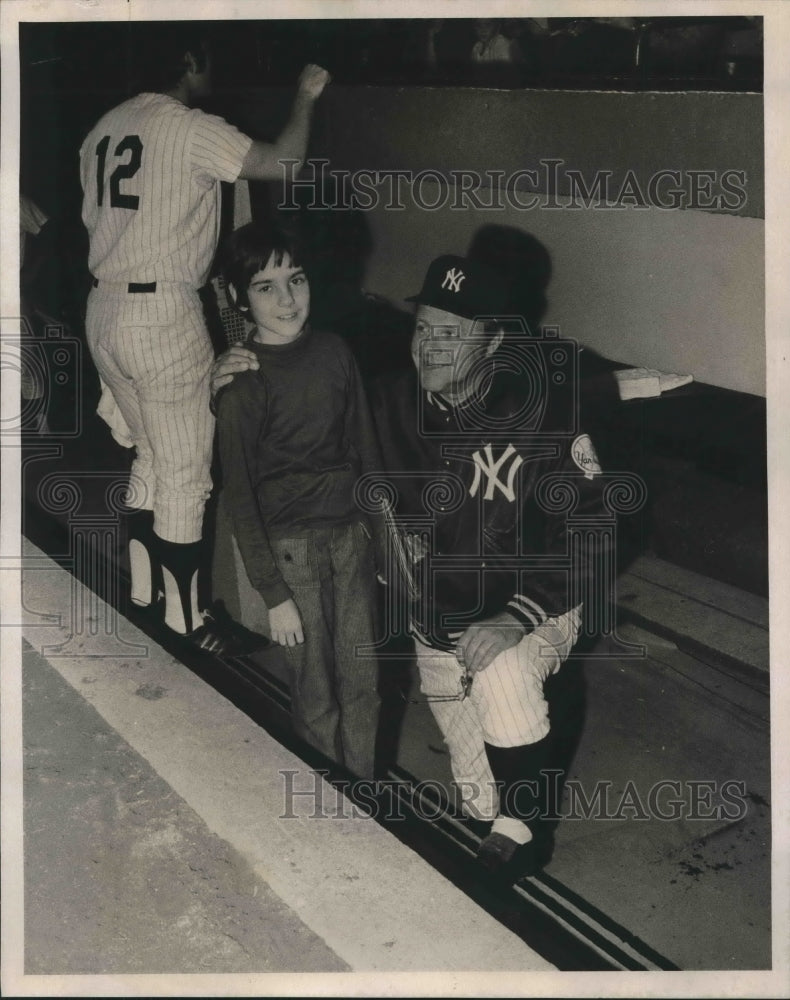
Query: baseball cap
point(463, 287)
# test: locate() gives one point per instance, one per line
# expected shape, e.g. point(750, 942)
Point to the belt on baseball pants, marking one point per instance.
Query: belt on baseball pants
point(134, 286)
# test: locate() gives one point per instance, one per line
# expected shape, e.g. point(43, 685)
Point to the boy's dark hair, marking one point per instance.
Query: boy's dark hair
point(249, 249)
point(156, 53)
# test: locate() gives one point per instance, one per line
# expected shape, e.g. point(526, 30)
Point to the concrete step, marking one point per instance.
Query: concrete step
point(346, 881)
point(702, 616)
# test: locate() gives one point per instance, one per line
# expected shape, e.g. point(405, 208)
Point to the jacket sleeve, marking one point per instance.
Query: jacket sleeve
point(572, 487)
point(241, 413)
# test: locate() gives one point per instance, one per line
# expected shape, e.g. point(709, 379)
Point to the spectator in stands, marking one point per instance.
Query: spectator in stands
point(491, 44)
point(439, 48)
point(495, 58)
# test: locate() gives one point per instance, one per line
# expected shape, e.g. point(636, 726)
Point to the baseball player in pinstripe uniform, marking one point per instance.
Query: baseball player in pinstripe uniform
point(151, 170)
point(500, 608)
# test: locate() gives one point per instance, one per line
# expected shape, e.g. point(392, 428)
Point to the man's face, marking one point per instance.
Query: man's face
point(485, 28)
point(444, 351)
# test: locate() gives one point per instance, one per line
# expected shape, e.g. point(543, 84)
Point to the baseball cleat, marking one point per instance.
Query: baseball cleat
point(221, 636)
point(507, 861)
point(147, 614)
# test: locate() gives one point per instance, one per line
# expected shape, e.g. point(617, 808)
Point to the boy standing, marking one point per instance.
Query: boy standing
point(294, 436)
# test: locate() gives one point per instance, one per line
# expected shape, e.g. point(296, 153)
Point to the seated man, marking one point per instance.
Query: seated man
point(497, 605)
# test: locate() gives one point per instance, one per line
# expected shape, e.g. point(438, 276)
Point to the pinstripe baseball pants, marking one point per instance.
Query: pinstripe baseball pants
point(156, 358)
point(505, 706)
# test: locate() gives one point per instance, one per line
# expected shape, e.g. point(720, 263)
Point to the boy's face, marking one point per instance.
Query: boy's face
point(279, 298)
point(443, 350)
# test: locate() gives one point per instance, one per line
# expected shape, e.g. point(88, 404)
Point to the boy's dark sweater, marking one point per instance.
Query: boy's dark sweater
point(294, 438)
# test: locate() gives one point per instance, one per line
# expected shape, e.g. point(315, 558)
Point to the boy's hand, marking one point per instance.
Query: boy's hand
point(312, 81)
point(237, 359)
point(285, 624)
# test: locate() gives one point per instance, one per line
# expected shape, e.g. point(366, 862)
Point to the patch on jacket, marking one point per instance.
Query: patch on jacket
point(583, 454)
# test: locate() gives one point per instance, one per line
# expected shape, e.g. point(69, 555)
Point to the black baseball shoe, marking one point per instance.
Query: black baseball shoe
point(506, 861)
point(151, 615)
point(221, 636)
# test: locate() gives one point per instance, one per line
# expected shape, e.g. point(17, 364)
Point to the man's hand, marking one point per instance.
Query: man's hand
point(237, 359)
point(312, 81)
point(483, 642)
point(285, 624)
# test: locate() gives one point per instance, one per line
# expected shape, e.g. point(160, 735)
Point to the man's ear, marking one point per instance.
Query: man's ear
point(494, 341)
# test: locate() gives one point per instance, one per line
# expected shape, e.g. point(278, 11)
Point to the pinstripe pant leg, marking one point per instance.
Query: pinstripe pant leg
point(172, 367)
point(508, 694)
point(440, 674)
point(103, 329)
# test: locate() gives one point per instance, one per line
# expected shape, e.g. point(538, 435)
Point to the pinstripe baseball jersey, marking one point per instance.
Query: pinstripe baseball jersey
point(151, 169)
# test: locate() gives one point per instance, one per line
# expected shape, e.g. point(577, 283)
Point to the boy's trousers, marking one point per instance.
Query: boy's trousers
point(334, 679)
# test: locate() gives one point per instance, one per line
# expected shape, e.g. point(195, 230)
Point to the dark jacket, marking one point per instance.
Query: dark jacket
point(495, 484)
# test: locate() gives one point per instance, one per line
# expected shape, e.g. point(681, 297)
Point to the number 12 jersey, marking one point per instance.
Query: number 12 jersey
point(151, 169)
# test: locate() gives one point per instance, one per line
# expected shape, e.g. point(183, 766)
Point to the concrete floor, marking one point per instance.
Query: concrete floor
point(123, 876)
point(158, 838)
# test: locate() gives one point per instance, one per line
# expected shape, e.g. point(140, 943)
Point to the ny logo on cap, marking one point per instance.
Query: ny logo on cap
point(453, 279)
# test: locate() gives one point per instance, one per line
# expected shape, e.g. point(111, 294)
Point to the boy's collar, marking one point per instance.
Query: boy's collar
point(280, 348)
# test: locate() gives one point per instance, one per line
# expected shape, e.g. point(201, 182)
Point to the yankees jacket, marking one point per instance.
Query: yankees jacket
point(507, 494)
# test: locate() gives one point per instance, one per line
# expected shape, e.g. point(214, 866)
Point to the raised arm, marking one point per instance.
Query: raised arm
point(262, 162)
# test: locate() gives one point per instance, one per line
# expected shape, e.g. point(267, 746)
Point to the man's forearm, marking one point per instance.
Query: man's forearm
point(291, 144)
point(263, 161)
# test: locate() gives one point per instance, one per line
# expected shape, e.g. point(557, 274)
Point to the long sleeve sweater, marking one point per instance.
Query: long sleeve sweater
point(294, 437)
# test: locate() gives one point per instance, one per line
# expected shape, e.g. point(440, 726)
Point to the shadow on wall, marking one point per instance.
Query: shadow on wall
point(338, 248)
point(524, 264)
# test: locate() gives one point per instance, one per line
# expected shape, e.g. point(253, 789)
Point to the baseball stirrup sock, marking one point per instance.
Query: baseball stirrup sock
point(520, 773)
point(140, 534)
point(180, 565)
